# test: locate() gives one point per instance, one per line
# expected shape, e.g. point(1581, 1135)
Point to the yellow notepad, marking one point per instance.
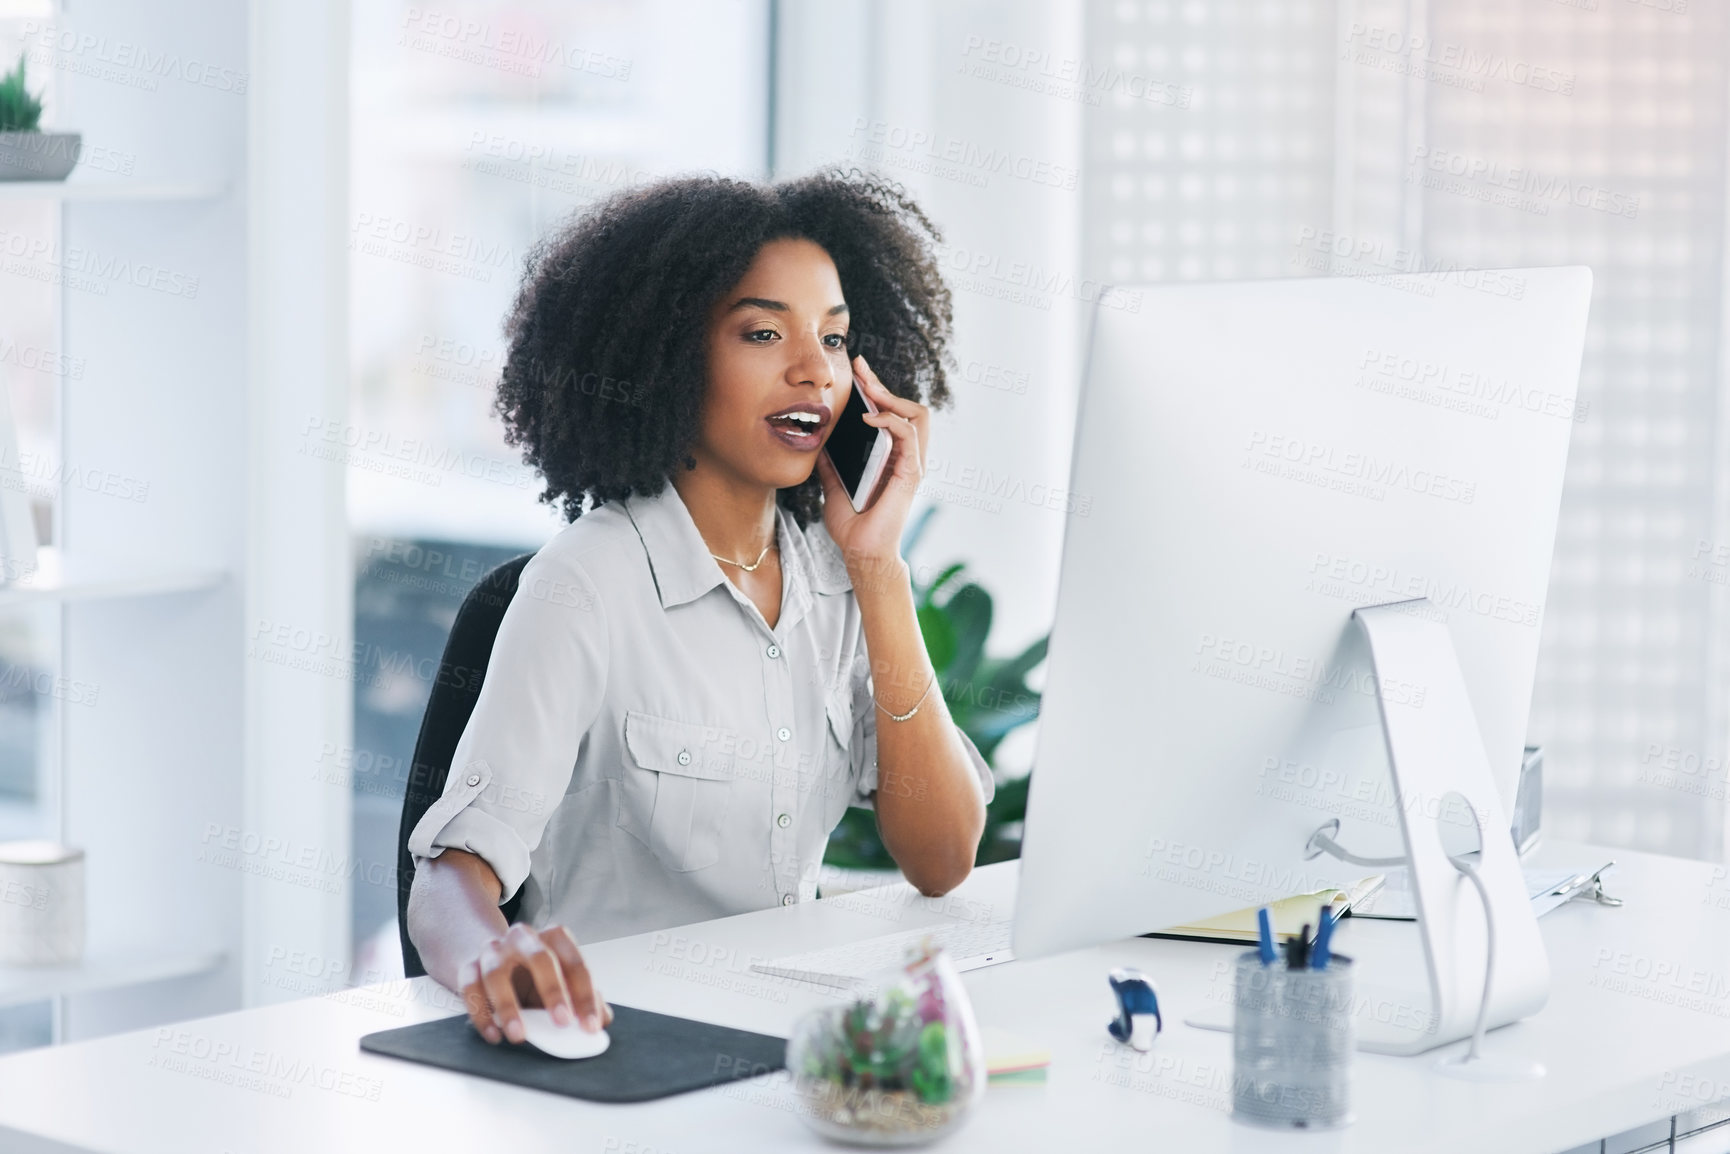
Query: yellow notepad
point(1287, 914)
point(1008, 1054)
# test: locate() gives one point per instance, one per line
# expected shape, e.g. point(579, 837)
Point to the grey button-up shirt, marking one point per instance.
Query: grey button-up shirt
point(645, 751)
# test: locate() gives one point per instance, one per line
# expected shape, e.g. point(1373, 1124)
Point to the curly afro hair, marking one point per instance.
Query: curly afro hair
point(603, 382)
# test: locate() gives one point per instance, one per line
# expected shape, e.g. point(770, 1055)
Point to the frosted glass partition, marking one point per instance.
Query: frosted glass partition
point(1366, 137)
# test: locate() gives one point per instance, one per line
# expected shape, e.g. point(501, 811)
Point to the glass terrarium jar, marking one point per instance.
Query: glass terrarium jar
point(898, 1065)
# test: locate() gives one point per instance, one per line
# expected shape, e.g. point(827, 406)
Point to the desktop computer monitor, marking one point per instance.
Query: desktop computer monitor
point(1260, 459)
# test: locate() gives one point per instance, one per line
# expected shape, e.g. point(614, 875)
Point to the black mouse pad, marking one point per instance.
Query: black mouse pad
point(650, 1056)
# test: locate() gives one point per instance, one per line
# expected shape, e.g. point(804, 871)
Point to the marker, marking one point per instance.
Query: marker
point(1264, 926)
point(1321, 953)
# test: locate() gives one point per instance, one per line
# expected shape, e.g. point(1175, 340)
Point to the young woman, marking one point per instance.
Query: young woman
point(679, 706)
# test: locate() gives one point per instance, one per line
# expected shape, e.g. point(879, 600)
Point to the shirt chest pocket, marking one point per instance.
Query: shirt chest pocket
point(676, 789)
point(835, 785)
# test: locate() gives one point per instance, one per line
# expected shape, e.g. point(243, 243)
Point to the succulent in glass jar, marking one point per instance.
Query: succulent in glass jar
point(899, 1064)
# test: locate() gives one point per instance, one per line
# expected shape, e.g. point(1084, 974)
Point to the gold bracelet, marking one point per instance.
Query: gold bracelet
point(909, 714)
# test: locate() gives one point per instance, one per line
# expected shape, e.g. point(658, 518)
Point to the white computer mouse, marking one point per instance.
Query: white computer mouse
point(572, 1041)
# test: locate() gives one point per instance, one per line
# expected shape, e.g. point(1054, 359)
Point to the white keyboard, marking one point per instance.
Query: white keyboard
point(970, 945)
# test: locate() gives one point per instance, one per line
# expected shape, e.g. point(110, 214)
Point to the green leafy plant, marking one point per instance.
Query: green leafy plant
point(895, 1041)
point(19, 111)
point(930, 1077)
point(988, 697)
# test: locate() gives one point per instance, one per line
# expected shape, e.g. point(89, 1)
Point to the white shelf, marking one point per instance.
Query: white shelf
point(74, 189)
point(103, 971)
point(50, 589)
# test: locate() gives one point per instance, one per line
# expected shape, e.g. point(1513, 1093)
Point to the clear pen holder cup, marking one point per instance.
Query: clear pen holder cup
point(1292, 1040)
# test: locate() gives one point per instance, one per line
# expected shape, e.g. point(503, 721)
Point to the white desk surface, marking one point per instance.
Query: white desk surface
point(1637, 1028)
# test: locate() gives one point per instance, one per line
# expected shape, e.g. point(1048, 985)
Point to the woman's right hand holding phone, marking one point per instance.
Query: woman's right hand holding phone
point(526, 968)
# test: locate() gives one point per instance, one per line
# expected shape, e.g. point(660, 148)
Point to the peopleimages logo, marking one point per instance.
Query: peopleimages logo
point(1525, 181)
point(123, 61)
point(1470, 390)
point(1270, 667)
point(1329, 575)
point(412, 458)
point(1448, 61)
point(41, 360)
point(86, 269)
point(505, 48)
point(1382, 263)
point(1027, 282)
point(1273, 452)
point(967, 156)
point(1065, 77)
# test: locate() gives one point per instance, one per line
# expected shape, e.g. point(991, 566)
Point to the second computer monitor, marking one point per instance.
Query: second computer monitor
point(1261, 458)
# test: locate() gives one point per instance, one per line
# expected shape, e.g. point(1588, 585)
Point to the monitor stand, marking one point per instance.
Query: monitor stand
point(1439, 769)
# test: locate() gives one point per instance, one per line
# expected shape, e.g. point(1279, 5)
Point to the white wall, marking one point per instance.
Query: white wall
point(300, 574)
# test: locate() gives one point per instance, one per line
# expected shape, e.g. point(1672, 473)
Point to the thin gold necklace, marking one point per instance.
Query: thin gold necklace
point(752, 567)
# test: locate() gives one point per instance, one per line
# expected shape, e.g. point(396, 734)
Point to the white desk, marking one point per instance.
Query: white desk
point(1637, 1029)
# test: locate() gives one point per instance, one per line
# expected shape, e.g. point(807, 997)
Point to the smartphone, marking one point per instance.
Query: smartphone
point(858, 450)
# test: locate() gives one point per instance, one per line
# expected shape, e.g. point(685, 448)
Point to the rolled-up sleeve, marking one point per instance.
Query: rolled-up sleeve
point(864, 743)
point(543, 689)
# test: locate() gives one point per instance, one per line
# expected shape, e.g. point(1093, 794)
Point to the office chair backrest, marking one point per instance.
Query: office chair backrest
point(447, 712)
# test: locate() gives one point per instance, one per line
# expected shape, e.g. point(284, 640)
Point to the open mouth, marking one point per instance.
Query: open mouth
point(800, 426)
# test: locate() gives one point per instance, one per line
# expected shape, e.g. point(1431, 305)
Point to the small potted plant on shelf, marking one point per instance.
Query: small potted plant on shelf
point(26, 152)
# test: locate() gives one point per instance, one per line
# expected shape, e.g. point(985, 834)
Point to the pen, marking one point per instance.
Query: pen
point(1320, 954)
point(1264, 927)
